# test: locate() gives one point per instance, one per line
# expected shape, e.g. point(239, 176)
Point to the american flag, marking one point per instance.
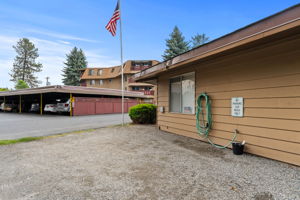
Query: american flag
point(112, 24)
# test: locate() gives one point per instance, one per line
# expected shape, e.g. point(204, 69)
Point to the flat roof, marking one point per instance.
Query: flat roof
point(277, 23)
point(74, 90)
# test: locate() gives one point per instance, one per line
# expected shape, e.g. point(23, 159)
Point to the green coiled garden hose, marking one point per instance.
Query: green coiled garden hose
point(204, 124)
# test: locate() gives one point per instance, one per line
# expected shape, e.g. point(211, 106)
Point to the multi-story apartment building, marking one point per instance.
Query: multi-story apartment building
point(110, 77)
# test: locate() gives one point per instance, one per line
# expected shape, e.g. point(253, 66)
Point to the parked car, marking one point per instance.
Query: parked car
point(35, 107)
point(64, 107)
point(9, 107)
point(50, 108)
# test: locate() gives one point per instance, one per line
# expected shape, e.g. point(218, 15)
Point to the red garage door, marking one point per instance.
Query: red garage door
point(94, 106)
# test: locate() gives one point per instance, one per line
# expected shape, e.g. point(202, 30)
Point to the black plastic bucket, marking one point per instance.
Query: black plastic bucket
point(237, 148)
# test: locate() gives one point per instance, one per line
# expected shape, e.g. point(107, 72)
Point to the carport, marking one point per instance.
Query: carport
point(85, 100)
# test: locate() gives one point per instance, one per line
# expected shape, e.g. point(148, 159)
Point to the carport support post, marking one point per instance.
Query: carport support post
point(71, 105)
point(20, 104)
point(41, 104)
point(4, 105)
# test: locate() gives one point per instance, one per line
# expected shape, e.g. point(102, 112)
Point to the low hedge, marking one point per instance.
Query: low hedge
point(143, 114)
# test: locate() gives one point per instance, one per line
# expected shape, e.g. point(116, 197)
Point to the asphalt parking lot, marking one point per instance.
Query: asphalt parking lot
point(139, 162)
point(15, 125)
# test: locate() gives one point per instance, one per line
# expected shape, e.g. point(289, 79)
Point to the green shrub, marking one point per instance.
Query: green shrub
point(143, 114)
point(3, 89)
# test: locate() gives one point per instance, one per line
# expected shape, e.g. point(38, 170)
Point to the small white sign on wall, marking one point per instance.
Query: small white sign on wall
point(237, 106)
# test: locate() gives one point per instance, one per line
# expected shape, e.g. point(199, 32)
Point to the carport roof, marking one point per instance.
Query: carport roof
point(73, 90)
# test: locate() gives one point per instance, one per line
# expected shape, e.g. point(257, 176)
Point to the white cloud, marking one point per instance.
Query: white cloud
point(60, 35)
point(64, 42)
point(52, 55)
point(96, 59)
point(6, 59)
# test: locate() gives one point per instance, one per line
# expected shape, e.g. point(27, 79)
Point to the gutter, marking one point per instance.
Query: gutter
point(75, 90)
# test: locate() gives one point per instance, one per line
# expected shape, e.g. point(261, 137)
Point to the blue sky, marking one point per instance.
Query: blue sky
point(57, 26)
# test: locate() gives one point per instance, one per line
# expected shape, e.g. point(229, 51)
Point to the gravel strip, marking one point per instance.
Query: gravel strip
point(139, 162)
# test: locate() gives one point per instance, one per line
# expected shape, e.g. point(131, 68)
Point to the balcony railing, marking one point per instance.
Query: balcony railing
point(130, 80)
point(139, 68)
point(146, 92)
point(83, 84)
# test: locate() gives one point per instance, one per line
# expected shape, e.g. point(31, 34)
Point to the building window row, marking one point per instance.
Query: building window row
point(98, 82)
point(92, 82)
point(135, 65)
point(139, 88)
point(140, 65)
point(135, 88)
point(92, 72)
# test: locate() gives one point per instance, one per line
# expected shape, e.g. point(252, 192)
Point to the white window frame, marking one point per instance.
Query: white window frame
point(91, 72)
point(181, 76)
point(100, 82)
point(92, 82)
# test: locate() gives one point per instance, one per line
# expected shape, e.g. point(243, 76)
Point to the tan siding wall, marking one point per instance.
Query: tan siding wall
point(115, 84)
point(269, 80)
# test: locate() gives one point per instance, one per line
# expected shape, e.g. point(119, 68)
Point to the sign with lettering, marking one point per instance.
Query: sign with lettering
point(237, 106)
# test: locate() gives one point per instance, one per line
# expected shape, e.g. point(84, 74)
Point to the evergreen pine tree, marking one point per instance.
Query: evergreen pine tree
point(175, 45)
point(25, 64)
point(75, 61)
point(198, 40)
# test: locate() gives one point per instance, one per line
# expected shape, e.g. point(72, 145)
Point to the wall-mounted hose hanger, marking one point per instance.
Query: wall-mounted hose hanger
point(204, 120)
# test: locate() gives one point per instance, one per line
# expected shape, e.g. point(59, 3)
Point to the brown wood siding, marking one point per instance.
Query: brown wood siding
point(114, 84)
point(268, 77)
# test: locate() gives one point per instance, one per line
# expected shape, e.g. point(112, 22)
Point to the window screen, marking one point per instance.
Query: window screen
point(175, 95)
point(188, 93)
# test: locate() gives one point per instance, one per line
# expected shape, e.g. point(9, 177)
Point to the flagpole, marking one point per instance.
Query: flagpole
point(122, 71)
